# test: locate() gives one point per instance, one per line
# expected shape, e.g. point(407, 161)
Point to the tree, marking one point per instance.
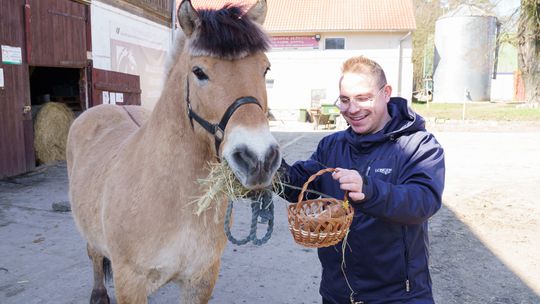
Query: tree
point(528, 42)
point(426, 13)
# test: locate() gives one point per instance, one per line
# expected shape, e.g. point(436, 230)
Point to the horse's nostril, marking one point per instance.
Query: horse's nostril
point(245, 159)
point(272, 157)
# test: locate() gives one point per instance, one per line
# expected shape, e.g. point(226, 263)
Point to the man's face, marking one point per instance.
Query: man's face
point(366, 110)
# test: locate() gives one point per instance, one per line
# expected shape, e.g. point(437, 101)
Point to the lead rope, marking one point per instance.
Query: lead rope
point(263, 208)
point(343, 266)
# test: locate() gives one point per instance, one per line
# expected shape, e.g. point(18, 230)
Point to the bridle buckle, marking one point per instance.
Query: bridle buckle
point(219, 133)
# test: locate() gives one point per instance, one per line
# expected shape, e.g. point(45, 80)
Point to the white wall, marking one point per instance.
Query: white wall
point(297, 72)
point(127, 43)
point(502, 88)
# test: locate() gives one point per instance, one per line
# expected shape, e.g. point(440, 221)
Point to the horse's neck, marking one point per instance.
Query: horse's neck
point(170, 133)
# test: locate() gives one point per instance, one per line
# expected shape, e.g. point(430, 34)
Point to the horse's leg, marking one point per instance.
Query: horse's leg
point(199, 291)
point(99, 292)
point(129, 286)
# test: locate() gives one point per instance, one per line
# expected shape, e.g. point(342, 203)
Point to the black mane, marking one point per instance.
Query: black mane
point(227, 33)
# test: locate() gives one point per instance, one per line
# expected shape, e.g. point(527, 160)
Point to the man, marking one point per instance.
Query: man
point(394, 172)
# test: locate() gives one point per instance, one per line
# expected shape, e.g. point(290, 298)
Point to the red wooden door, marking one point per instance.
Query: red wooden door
point(56, 33)
point(16, 129)
point(115, 88)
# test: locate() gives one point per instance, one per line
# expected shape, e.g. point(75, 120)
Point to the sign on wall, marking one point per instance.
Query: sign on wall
point(112, 98)
point(1, 78)
point(294, 42)
point(11, 54)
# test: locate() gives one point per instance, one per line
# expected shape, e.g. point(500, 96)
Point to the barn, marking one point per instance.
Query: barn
point(77, 54)
point(81, 53)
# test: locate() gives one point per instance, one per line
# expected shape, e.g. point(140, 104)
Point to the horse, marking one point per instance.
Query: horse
point(133, 173)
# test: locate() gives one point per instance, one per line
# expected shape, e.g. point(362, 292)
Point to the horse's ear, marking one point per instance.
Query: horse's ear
point(187, 17)
point(257, 12)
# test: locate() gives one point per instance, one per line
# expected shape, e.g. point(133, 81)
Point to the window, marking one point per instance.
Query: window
point(334, 43)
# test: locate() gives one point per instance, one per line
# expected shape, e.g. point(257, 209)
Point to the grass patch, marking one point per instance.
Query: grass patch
point(478, 111)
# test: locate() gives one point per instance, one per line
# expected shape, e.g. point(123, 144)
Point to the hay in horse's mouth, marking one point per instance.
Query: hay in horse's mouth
point(222, 184)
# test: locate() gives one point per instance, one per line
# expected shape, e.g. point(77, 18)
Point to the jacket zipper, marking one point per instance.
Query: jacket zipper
point(404, 231)
point(368, 168)
point(406, 257)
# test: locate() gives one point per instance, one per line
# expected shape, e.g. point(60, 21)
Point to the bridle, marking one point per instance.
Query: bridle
point(218, 130)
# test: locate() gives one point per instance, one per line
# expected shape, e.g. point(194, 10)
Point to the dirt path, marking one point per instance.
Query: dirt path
point(485, 241)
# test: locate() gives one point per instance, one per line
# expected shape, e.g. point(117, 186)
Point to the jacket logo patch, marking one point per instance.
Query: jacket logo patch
point(384, 171)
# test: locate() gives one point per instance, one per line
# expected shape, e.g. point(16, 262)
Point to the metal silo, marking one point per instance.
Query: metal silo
point(464, 54)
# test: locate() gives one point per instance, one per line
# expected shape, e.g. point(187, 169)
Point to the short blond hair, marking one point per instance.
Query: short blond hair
point(364, 65)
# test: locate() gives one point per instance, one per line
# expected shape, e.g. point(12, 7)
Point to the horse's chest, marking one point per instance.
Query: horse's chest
point(189, 256)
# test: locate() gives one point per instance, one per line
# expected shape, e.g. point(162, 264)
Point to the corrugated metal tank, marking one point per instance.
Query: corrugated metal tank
point(464, 55)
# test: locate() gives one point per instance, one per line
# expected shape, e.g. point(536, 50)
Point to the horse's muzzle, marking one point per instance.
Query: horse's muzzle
point(257, 172)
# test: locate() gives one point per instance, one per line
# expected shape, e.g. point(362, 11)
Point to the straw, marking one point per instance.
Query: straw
point(221, 184)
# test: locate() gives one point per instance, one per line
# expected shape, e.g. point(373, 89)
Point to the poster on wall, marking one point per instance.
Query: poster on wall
point(119, 97)
point(138, 60)
point(139, 51)
point(112, 98)
point(105, 97)
point(1, 78)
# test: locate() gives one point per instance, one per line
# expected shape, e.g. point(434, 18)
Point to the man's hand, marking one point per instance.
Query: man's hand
point(350, 180)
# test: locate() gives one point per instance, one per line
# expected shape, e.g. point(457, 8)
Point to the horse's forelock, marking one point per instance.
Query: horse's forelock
point(228, 34)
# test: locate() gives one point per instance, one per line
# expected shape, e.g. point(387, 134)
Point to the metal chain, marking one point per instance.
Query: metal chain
point(263, 208)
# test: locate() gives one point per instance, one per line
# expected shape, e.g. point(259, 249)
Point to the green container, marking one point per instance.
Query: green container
point(329, 109)
point(302, 115)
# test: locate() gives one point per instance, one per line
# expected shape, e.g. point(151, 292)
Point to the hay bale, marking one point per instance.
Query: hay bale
point(51, 128)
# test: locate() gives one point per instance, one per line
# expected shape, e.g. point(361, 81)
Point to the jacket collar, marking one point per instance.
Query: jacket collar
point(403, 121)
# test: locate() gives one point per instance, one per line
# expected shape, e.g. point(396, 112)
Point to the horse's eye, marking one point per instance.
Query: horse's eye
point(199, 73)
point(266, 71)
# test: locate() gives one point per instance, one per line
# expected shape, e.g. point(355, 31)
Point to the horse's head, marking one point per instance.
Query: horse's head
point(224, 65)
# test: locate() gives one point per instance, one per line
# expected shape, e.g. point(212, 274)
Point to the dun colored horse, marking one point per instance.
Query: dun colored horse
point(133, 174)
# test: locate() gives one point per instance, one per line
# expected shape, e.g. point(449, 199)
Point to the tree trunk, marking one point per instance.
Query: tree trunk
point(529, 49)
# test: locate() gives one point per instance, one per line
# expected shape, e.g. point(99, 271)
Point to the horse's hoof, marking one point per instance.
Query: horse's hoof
point(99, 296)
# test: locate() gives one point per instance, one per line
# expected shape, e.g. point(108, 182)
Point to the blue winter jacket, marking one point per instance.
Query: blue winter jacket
point(403, 170)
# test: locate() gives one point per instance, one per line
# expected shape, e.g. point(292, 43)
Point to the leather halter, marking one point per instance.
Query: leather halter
point(218, 130)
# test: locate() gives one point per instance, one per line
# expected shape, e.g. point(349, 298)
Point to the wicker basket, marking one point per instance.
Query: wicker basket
point(320, 222)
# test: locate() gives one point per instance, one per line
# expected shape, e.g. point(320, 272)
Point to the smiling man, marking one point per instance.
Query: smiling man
point(393, 170)
point(362, 108)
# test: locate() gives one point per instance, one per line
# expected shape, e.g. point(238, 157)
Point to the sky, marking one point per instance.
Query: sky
point(505, 7)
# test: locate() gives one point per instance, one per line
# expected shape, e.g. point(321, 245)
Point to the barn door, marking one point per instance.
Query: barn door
point(108, 87)
point(56, 33)
point(16, 130)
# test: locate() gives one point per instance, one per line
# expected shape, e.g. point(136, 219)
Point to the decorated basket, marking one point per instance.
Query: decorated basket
point(320, 222)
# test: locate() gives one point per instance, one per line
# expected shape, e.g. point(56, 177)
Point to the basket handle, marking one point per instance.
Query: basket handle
point(313, 177)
